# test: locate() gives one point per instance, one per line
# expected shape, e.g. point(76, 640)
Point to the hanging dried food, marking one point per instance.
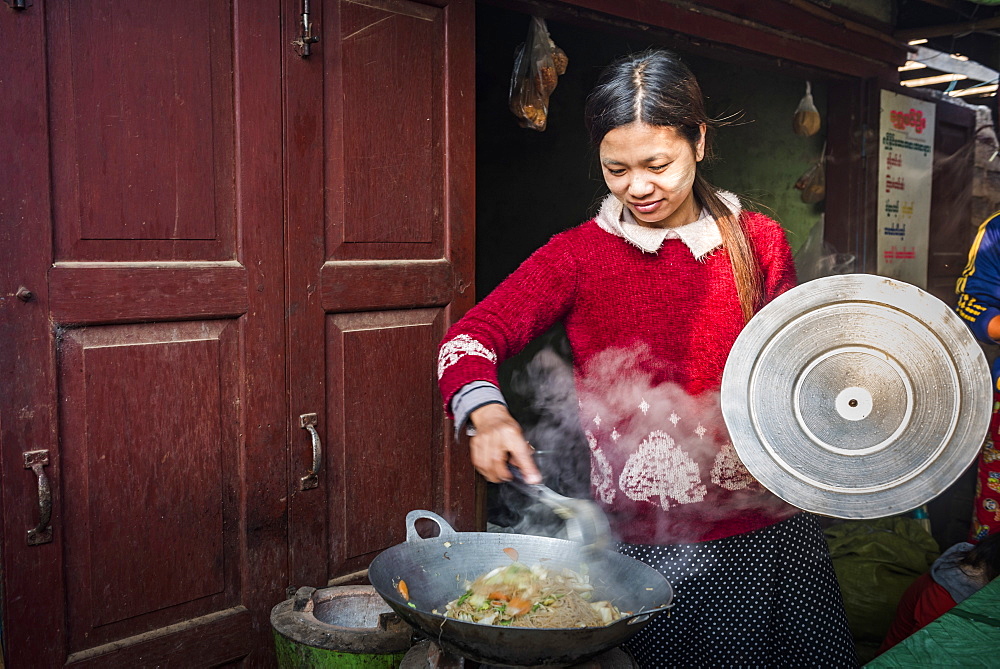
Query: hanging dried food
point(559, 57)
point(538, 63)
point(813, 183)
point(806, 120)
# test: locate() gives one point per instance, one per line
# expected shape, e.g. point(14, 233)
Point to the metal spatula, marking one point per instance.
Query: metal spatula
point(585, 520)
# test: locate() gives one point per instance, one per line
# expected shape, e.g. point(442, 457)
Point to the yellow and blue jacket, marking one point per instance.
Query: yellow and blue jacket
point(978, 288)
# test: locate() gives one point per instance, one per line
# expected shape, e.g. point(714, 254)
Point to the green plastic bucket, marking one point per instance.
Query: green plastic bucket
point(342, 626)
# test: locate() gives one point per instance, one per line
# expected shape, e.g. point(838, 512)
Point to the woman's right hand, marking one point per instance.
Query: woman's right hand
point(498, 444)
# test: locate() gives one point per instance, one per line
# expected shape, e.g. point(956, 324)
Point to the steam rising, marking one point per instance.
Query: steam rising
point(660, 448)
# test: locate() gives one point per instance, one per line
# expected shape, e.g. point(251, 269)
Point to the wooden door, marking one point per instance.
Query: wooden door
point(205, 236)
point(142, 368)
point(379, 134)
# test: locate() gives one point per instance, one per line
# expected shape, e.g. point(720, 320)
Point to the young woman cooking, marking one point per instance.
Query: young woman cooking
point(652, 293)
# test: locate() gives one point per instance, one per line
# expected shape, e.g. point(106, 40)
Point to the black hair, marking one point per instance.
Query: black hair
point(656, 88)
point(984, 556)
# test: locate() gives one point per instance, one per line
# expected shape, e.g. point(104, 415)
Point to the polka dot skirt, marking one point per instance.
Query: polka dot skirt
point(768, 598)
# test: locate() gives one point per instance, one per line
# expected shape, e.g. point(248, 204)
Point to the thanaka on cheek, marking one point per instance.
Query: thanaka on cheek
point(651, 170)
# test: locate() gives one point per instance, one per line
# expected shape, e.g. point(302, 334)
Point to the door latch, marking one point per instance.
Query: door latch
point(307, 39)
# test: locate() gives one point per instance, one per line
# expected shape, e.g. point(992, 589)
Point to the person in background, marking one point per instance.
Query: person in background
point(954, 577)
point(978, 290)
point(652, 293)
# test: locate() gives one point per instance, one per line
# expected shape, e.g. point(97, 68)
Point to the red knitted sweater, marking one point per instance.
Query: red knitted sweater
point(649, 333)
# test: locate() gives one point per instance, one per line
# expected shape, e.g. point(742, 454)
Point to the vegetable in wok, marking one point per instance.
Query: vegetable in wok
point(522, 596)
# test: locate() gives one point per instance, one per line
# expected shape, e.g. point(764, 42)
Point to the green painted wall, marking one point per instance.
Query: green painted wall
point(759, 156)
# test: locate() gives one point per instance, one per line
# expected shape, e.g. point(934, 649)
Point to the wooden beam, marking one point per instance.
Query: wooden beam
point(834, 47)
point(948, 29)
point(804, 20)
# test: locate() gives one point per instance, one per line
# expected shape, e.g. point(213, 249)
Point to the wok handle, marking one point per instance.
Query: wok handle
point(446, 531)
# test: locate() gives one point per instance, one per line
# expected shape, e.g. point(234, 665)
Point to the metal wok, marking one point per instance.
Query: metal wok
point(438, 570)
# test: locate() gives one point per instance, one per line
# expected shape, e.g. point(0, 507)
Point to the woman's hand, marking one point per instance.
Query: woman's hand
point(499, 443)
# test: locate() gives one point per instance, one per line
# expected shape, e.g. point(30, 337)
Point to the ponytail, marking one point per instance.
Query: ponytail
point(746, 269)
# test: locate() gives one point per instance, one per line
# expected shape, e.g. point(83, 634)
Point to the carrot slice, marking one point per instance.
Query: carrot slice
point(403, 590)
point(518, 605)
point(511, 553)
point(497, 595)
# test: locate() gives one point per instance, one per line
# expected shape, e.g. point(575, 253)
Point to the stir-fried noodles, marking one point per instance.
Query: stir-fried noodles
point(519, 596)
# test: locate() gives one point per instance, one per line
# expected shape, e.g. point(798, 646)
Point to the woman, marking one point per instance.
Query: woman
point(652, 293)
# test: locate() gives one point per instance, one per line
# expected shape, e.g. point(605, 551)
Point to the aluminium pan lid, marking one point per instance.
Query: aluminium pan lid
point(856, 396)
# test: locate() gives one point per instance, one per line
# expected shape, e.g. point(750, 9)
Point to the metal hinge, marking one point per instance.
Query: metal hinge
point(305, 42)
point(18, 4)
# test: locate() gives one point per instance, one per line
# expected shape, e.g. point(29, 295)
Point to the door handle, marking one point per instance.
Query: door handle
point(311, 480)
point(41, 533)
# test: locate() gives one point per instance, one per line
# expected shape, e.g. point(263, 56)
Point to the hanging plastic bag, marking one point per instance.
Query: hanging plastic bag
point(538, 62)
point(559, 57)
point(806, 120)
point(813, 183)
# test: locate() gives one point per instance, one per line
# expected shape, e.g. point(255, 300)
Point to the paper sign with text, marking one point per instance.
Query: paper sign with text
point(906, 165)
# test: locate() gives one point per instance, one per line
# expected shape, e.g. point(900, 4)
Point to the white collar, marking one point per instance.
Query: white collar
point(701, 236)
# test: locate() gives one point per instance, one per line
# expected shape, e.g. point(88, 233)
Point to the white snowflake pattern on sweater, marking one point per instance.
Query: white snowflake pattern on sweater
point(601, 477)
point(459, 347)
point(660, 468)
point(729, 472)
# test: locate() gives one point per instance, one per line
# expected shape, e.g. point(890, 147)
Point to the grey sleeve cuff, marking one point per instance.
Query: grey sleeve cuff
point(470, 397)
